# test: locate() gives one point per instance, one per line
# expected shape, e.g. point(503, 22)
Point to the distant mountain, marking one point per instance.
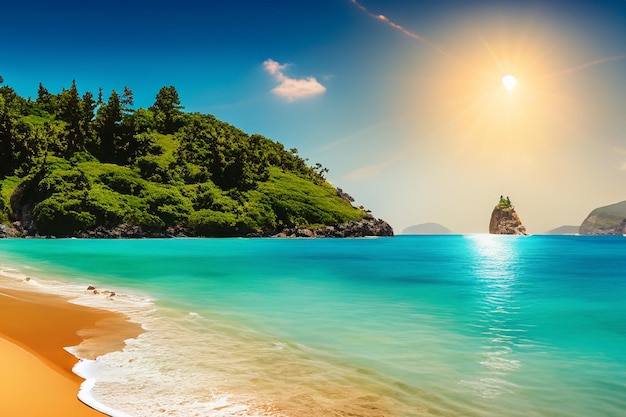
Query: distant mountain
point(563, 230)
point(426, 229)
point(607, 220)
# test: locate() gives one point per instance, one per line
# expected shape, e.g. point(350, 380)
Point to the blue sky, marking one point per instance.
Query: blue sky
point(401, 100)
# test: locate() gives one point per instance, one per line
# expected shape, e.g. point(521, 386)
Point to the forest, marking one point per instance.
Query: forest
point(72, 163)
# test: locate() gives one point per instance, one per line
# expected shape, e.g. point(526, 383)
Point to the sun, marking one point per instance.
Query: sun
point(509, 81)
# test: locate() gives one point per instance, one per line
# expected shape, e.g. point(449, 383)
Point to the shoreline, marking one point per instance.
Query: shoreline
point(36, 328)
point(228, 333)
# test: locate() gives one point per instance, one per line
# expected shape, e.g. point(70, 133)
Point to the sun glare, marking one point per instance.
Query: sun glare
point(509, 81)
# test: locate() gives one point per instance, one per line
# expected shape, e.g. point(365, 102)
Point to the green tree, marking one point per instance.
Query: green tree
point(108, 121)
point(114, 127)
point(127, 100)
point(71, 111)
point(87, 116)
point(230, 157)
point(14, 134)
point(167, 110)
point(142, 121)
point(42, 93)
point(138, 130)
point(19, 144)
point(46, 101)
point(320, 171)
point(6, 139)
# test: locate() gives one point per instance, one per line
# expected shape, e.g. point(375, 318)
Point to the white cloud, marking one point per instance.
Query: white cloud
point(274, 67)
point(292, 88)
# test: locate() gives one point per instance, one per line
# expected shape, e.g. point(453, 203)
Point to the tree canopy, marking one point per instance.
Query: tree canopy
point(70, 163)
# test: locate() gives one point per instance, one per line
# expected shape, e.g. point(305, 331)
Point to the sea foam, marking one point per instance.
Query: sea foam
point(188, 365)
point(412, 326)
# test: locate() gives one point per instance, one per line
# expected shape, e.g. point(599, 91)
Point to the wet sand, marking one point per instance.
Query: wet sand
point(37, 377)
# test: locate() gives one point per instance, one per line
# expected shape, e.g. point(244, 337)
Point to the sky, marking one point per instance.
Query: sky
point(401, 100)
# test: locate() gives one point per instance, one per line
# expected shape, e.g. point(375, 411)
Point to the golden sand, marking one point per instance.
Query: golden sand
point(36, 378)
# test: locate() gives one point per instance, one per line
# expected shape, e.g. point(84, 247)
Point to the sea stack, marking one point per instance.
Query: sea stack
point(504, 219)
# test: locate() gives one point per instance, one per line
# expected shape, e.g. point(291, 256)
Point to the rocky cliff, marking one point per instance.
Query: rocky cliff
point(6, 231)
point(606, 220)
point(368, 226)
point(505, 221)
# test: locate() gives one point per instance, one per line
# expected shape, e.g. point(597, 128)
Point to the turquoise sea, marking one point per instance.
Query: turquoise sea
point(460, 325)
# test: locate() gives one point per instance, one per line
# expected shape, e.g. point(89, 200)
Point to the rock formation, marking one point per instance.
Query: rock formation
point(606, 220)
point(504, 220)
point(6, 231)
point(368, 226)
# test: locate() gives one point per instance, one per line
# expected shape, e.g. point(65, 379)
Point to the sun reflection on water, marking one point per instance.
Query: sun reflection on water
point(494, 266)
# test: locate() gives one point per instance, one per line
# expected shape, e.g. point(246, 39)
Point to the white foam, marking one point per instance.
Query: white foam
point(185, 364)
point(154, 375)
point(151, 375)
point(82, 369)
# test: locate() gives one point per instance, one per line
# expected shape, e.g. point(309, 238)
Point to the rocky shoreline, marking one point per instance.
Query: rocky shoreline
point(368, 226)
point(619, 229)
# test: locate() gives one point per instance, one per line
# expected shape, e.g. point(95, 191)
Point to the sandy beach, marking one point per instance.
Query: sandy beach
point(37, 372)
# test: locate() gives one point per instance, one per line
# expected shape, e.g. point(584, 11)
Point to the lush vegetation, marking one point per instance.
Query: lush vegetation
point(504, 203)
point(70, 163)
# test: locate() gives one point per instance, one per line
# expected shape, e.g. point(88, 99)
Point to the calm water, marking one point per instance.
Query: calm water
point(474, 325)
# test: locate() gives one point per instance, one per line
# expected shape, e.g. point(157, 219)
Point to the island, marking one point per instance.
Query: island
point(81, 165)
point(563, 230)
point(426, 229)
point(504, 219)
point(606, 220)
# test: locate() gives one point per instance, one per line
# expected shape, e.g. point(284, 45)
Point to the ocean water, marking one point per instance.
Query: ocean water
point(461, 325)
